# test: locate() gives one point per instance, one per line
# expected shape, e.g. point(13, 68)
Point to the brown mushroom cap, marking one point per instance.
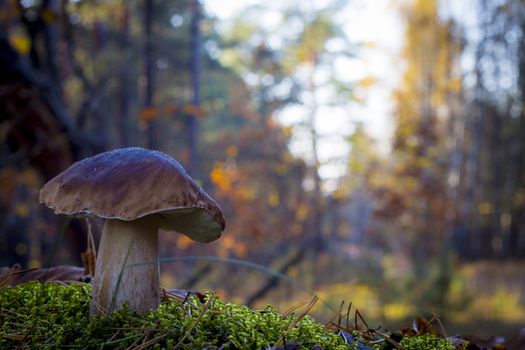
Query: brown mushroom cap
point(130, 183)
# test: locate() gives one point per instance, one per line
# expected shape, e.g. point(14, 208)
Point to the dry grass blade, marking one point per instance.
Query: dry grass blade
point(99, 309)
point(422, 326)
point(142, 336)
point(293, 308)
point(180, 295)
point(5, 280)
point(91, 240)
point(152, 342)
point(337, 326)
point(201, 315)
point(89, 257)
point(4, 311)
point(13, 271)
point(298, 319)
point(13, 336)
point(388, 339)
point(442, 327)
point(117, 341)
point(436, 318)
point(340, 314)
point(309, 307)
point(114, 335)
point(113, 302)
point(357, 317)
point(348, 316)
point(127, 328)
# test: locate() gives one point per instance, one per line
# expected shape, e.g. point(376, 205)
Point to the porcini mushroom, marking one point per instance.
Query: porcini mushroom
point(137, 191)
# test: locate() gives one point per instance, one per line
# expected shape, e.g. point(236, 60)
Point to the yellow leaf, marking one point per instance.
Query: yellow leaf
point(367, 82)
point(194, 111)
point(455, 85)
point(245, 193)
point(232, 151)
point(301, 213)
point(485, 208)
point(398, 311)
point(22, 210)
point(20, 42)
point(148, 114)
point(273, 199)
point(49, 16)
point(21, 249)
point(220, 178)
point(183, 241)
point(34, 263)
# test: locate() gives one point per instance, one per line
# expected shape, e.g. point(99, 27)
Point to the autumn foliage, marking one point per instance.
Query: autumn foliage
point(403, 231)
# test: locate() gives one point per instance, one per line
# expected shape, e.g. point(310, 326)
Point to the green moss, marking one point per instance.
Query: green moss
point(53, 315)
point(426, 341)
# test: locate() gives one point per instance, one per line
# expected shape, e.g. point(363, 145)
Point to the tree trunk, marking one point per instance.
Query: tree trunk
point(125, 81)
point(149, 73)
point(193, 123)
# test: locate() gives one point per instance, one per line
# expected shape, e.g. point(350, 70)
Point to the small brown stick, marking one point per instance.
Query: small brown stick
point(388, 339)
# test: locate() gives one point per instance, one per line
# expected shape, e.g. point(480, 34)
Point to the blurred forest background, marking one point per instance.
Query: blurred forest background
point(436, 223)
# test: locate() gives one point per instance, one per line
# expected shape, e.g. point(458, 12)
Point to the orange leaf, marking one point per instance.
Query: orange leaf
point(148, 114)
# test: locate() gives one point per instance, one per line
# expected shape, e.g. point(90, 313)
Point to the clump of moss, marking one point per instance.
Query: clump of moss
point(427, 341)
point(54, 315)
point(36, 313)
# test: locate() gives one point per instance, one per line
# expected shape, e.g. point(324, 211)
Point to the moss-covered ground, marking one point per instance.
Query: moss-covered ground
point(55, 315)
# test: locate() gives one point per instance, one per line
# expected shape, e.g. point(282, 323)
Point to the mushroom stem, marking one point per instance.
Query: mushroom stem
point(125, 243)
